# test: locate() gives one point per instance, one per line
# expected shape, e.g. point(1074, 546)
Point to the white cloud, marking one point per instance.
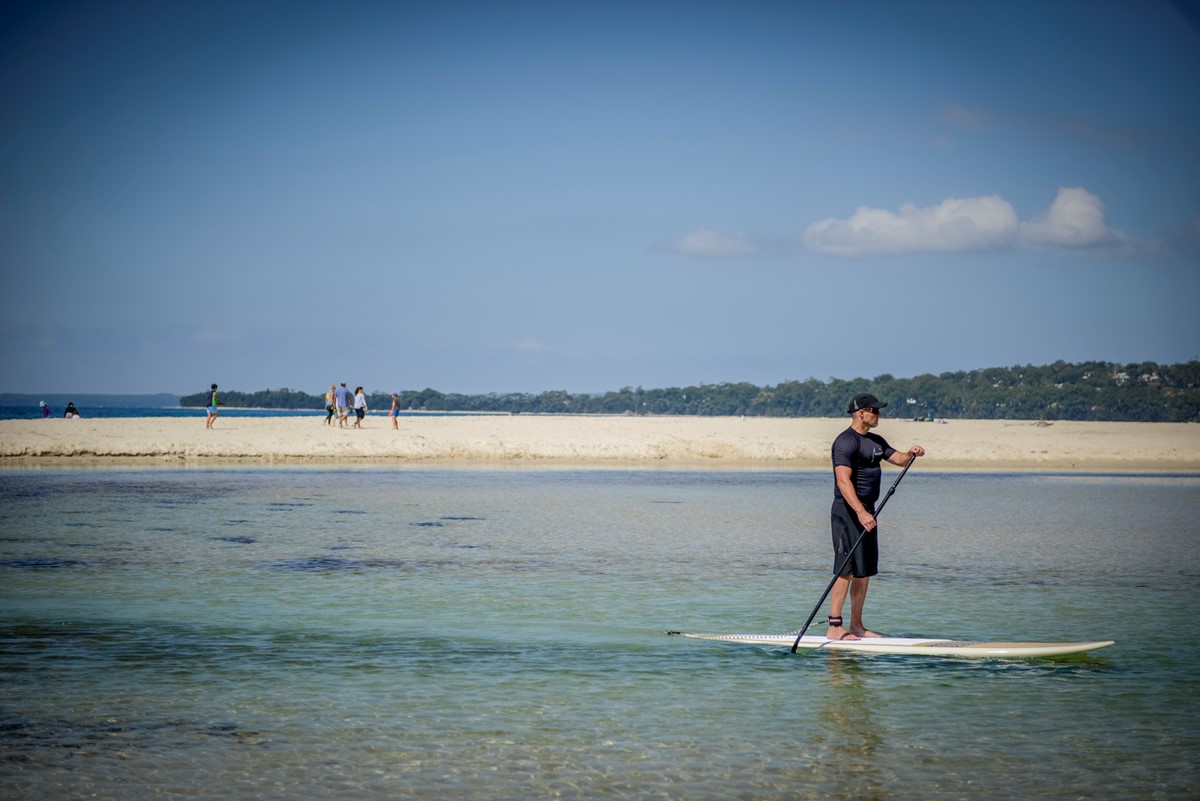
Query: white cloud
point(961, 116)
point(535, 345)
point(709, 244)
point(956, 224)
point(532, 345)
point(1076, 219)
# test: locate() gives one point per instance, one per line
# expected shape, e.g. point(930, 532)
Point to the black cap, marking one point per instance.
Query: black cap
point(865, 401)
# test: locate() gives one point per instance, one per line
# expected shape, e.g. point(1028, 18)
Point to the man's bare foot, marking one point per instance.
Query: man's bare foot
point(839, 633)
point(836, 632)
point(860, 634)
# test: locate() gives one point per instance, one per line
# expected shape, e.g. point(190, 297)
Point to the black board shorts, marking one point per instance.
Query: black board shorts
point(845, 529)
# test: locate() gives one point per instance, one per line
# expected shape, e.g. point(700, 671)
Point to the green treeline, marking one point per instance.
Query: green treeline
point(1145, 392)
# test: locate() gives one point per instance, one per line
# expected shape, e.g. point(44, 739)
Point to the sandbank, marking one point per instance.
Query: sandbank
point(596, 441)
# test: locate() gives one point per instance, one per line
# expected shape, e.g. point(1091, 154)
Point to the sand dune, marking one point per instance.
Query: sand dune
point(717, 442)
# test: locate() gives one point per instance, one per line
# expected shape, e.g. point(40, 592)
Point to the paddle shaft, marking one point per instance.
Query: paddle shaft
point(846, 560)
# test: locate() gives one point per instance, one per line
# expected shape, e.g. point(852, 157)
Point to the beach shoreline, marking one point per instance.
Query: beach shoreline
point(593, 442)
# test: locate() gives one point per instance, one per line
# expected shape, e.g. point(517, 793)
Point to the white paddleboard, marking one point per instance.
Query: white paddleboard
point(907, 645)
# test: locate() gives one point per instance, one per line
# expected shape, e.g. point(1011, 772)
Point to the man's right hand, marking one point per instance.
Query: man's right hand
point(867, 520)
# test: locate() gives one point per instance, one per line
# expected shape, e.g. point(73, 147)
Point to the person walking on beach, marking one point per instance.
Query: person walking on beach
point(360, 407)
point(212, 407)
point(857, 455)
point(395, 412)
point(329, 405)
point(341, 399)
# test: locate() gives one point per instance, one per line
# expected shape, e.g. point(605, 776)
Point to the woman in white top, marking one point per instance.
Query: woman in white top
point(360, 407)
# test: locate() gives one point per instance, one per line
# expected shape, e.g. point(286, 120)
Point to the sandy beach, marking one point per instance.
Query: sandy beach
point(564, 441)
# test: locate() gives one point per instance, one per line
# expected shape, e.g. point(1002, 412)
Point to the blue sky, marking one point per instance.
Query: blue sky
point(520, 196)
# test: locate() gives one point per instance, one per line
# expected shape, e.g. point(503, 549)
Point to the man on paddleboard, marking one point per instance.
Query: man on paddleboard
point(857, 474)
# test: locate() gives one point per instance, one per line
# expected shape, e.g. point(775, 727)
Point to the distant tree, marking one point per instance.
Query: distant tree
point(1143, 391)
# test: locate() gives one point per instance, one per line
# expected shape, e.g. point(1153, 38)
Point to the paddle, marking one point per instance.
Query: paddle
point(849, 554)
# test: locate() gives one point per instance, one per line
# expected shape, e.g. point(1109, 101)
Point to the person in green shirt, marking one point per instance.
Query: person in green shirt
point(212, 407)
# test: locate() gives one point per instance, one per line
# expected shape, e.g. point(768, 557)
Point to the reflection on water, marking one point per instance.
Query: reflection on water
point(849, 735)
point(498, 635)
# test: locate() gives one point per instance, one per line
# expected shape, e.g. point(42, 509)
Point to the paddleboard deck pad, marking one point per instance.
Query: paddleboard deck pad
point(907, 645)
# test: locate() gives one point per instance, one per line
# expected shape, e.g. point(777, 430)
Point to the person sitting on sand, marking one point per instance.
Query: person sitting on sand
point(71, 413)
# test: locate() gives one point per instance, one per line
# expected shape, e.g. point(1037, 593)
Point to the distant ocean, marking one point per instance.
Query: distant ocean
point(33, 412)
point(27, 412)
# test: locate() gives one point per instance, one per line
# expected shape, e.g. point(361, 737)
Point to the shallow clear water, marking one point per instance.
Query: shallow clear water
point(420, 633)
